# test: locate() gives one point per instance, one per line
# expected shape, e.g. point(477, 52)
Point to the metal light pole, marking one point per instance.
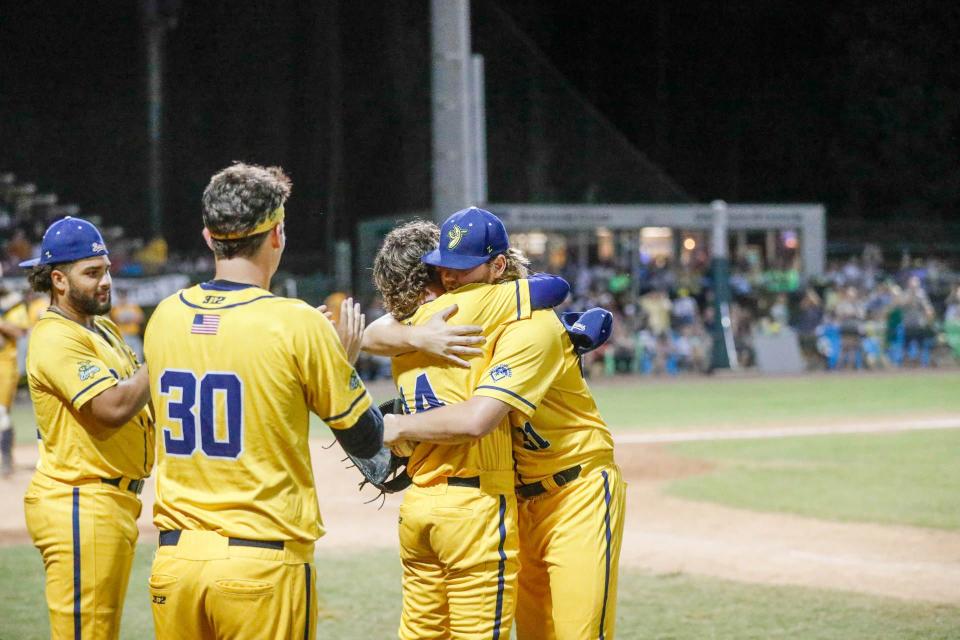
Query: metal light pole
point(478, 122)
point(453, 173)
point(158, 16)
point(724, 354)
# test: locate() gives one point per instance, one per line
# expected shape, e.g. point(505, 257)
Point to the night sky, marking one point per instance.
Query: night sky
point(856, 105)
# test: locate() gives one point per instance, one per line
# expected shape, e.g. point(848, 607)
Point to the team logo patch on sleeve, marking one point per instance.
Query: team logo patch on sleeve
point(500, 372)
point(205, 324)
point(354, 381)
point(86, 369)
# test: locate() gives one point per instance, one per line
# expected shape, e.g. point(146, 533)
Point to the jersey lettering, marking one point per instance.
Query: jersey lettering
point(182, 411)
point(532, 441)
point(424, 397)
point(403, 401)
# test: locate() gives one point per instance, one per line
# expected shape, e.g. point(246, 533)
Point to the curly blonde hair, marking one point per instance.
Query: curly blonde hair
point(398, 273)
point(518, 266)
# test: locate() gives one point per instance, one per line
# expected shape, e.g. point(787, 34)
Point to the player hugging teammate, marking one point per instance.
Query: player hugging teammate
point(461, 543)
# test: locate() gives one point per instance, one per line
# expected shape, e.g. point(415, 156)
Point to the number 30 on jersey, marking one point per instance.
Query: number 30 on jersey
point(184, 395)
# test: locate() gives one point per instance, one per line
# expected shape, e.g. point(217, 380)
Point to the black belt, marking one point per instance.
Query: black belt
point(171, 538)
point(464, 482)
point(134, 486)
point(537, 488)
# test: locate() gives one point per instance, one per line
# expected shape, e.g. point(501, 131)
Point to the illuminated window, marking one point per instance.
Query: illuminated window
point(605, 248)
point(656, 242)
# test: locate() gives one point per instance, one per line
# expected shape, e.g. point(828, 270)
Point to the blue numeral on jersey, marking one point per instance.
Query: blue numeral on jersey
point(532, 441)
point(230, 385)
point(424, 398)
point(183, 412)
point(180, 410)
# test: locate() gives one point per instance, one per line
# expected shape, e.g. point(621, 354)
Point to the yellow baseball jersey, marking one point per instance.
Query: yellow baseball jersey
point(234, 373)
point(424, 383)
point(67, 366)
point(556, 424)
point(36, 309)
point(15, 315)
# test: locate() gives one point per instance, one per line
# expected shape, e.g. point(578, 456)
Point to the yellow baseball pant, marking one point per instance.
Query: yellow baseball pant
point(570, 542)
point(207, 586)
point(86, 535)
point(458, 548)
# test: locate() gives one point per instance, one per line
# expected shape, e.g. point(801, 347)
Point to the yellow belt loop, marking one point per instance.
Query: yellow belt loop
point(497, 482)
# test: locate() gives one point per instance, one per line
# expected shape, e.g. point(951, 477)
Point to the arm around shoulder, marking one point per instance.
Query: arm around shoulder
point(387, 336)
point(451, 424)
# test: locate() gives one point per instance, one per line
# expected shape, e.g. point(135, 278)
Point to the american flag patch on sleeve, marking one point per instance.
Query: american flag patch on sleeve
point(205, 324)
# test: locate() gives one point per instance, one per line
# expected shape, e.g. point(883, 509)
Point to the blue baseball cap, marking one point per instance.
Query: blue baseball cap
point(589, 329)
point(68, 240)
point(469, 238)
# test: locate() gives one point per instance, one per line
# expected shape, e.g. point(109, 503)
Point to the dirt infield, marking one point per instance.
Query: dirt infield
point(663, 534)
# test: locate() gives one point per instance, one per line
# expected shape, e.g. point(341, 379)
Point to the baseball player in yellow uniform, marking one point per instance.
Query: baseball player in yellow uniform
point(96, 436)
point(234, 373)
point(459, 568)
point(13, 324)
point(571, 492)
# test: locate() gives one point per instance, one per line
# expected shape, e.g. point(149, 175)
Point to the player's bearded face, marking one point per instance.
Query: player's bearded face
point(456, 278)
point(89, 286)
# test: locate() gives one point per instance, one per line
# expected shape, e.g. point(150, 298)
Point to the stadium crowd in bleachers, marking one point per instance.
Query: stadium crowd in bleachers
point(861, 314)
point(25, 213)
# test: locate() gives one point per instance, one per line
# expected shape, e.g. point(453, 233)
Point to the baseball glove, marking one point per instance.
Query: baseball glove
point(386, 470)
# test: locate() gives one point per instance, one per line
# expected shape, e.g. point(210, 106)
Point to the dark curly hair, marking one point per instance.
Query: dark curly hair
point(40, 277)
point(238, 199)
point(398, 273)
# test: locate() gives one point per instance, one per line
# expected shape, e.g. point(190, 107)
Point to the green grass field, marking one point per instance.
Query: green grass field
point(697, 403)
point(902, 478)
point(896, 478)
point(360, 599)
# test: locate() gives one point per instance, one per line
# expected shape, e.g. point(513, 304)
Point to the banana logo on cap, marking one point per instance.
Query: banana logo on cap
point(456, 235)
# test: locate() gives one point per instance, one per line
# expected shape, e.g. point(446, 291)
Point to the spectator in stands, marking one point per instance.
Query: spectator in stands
point(624, 343)
point(742, 320)
point(780, 310)
point(952, 313)
point(656, 306)
point(849, 314)
point(918, 318)
point(809, 319)
point(691, 348)
point(19, 247)
point(951, 321)
point(129, 318)
point(685, 311)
